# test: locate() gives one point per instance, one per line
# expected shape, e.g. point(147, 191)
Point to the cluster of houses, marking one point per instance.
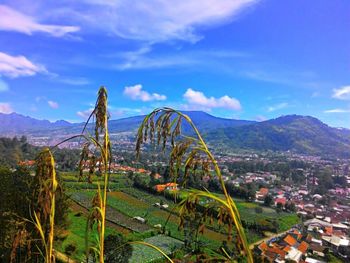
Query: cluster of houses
point(118, 168)
point(258, 178)
point(289, 246)
point(310, 243)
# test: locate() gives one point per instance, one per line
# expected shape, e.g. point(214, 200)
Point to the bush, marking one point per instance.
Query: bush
point(79, 214)
point(70, 249)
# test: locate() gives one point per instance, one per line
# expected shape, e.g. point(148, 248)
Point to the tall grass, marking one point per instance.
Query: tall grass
point(163, 127)
point(46, 174)
point(96, 152)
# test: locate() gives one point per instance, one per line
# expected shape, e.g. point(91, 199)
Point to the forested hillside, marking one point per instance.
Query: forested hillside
point(15, 150)
point(301, 134)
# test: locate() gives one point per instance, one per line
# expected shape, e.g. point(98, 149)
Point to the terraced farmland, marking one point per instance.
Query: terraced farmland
point(126, 202)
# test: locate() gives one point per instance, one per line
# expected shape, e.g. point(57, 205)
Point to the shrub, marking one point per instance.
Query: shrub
point(70, 249)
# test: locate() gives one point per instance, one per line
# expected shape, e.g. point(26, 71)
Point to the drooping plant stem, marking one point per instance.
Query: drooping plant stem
point(234, 213)
point(163, 128)
point(101, 153)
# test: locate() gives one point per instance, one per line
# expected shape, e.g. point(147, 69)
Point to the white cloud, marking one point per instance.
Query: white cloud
point(197, 98)
point(85, 114)
point(165, 61)
point(342, 93)
point(337, 111)
point(3, 86)
point(161, 20)
point(279, 106)
point(136, 93)
point(117, 112)
point(260, 118)
point(53, 104)
point(16, 66)
point(75, 81)
point(12, 20)
point(146, 20)
point(144, 58)
point(5, 107)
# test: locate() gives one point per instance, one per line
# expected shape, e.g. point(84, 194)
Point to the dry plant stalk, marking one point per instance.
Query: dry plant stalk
point(101, 155)
point(191, 153)
point(46, 173)
point(44, 213)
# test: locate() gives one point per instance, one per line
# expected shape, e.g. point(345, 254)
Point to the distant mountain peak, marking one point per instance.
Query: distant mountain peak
point(287, 119)
point(62, 123)
point(15, 123)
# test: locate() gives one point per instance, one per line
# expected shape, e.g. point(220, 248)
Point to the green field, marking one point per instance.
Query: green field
point(126, 202)
point(75, 235)
point(143, 253)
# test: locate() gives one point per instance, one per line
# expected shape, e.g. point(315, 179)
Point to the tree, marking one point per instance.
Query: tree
point(19, 192)
point(290, 206)
point(166, 174)
point(268, 200)
point(279, 207)
point(153, 181)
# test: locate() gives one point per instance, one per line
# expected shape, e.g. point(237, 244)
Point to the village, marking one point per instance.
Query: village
point(316, 189)
point(323, 232)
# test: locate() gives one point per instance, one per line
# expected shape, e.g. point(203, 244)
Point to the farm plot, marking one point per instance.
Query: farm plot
point(85, 212)
point(113, 215)
point(131, 207)
point(146, 254)
point(147, 197)
point(116, 181)
point(248, 213)
point(136, 207)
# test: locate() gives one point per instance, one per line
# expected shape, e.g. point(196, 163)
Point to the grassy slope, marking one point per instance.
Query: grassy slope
point(76, 235)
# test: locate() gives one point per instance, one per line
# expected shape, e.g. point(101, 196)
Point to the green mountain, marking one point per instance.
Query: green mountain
point(301, 134)
point(18, 124)
point(204, 122)
point(15, 123)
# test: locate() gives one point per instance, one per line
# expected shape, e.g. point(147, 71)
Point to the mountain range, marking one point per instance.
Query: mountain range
point(296, 133)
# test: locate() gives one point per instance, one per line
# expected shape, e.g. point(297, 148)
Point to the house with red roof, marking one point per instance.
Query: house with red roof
point(281, 200)
point(261, 194)
point(168, 186)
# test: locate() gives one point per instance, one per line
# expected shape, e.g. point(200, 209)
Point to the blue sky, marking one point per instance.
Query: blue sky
point(243, 59)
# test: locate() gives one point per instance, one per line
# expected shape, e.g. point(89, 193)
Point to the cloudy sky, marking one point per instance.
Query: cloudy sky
point(244, 59)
